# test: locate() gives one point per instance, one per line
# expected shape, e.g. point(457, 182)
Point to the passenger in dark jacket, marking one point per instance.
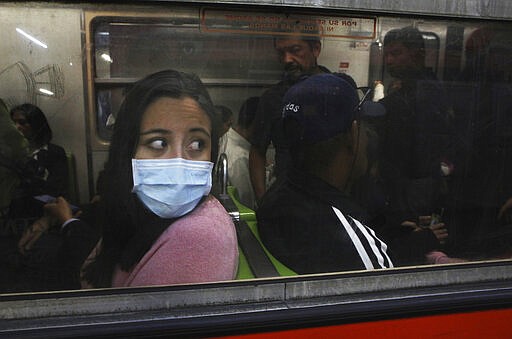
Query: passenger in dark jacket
point(47, 170)
point(307, 220)
point(414, 145)
point(298, 55)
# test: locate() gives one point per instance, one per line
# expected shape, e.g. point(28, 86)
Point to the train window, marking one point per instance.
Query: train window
point(442, 117)
point(435, 186)
point(124, 53)
point(429, 146)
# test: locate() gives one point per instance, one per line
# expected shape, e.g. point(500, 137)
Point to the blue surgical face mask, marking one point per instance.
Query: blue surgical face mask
point(171, 188)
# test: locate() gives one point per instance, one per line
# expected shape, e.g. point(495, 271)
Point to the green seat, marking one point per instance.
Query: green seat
point(249, 216)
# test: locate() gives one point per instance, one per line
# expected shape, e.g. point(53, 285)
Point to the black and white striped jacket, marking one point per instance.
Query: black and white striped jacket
point(312, 227)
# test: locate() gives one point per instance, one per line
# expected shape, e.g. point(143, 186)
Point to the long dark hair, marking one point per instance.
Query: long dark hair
point(128, 229)
point(42, 133)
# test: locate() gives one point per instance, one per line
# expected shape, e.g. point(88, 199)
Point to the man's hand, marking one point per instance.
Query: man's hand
point(59, 210)
point(425, 222)
point(439, 231)
point(257, 160)
point(438, 228)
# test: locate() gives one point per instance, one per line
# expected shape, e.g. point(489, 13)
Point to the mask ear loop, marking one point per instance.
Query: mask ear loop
point(357, 118)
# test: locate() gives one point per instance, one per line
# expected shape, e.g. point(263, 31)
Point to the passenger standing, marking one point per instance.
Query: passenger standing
point(299, 56)
point(226, 116)
point(414, 143)
point(235, 144)
point(416, 134)
point(307, 220)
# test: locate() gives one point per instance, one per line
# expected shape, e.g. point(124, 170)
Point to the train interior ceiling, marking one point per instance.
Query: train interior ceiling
point(79, 74)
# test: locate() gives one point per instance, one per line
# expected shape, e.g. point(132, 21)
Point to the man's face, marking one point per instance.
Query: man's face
point(400, 60)
point(298, 56)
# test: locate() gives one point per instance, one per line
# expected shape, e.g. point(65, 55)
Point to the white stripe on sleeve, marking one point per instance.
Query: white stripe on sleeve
point(371, 241)
point(383, 245)
point(355, 239)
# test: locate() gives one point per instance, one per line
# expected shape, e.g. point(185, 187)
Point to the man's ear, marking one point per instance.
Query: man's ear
point(317, 47)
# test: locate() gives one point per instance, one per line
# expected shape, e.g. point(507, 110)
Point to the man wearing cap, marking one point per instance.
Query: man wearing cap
point(299, 56)
point(307, 220)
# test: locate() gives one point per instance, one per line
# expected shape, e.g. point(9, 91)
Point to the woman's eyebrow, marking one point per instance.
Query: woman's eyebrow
point(156, 130)
point(201, 130)
point(166, 131)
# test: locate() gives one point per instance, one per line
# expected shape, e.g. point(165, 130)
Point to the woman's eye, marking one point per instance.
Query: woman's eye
point(158, 144)
point(196, 145)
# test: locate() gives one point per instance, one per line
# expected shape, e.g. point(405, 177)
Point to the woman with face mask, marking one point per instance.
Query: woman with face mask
point(159, 225)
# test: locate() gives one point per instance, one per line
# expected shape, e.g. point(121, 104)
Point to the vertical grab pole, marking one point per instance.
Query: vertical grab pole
point(222, 173)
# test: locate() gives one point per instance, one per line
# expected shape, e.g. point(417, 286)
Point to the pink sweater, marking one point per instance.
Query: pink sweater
point(200, 247)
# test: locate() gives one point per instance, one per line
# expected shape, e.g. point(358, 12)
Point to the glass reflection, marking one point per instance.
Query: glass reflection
point(437, 186)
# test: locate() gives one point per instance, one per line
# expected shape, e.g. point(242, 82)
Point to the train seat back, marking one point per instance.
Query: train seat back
point(255, 261)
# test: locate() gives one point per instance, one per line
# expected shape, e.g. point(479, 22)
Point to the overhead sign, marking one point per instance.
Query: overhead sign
point(231, 21)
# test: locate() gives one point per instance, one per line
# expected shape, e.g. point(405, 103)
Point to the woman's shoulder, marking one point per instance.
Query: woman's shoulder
point(211, 208)
point(208, 219)
point(198, 247)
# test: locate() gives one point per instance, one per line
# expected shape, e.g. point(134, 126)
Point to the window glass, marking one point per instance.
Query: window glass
point(428, 191)
point(423, 176)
